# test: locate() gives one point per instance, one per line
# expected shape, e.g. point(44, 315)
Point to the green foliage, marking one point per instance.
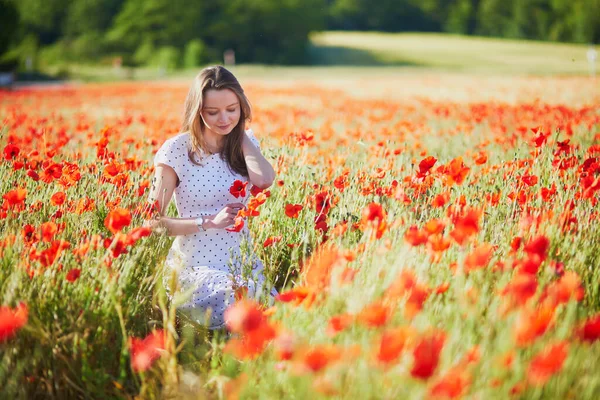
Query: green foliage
point(388, 15)
point(461, 17)
point(144, 53)
point(45, 18)
point(167, 57)
point(91, 16)
point(194, 53)
point(17, 55)
point(269, 31)
point(163, 22)
point(9, 20)
point(87, 46)
point(55, 54)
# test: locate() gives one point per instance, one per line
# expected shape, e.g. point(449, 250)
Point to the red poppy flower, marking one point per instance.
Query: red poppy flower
point(540, 138)
point(415, 236)
point(547, 363)
point(33, 175)
point(138, 233)
point(538, 247)
point(520, 288)
point(479, 258)
point(341, 182)
point(11, 320)
point(456, 172)
point(373, 212)
point(271, 240)
point(425, 165)
point(244, 316)
point(145, 351)
point(452, 385)
point(117, 219)
point(566, 288)
point(481, 158)
point(532, 323)
point(426, 355)
point(465, 226)
point(73, 274)
point(51, 254)
point(317, 270)
point(51, 172)
point(238, 188)
point(406, 284)
point(255, 191)
point(434, 226)
point(237, 226)
point(589, 330)
point(391, 344)
point(15, 197)
point(338, 323)
point(529, 180)
point(441, 199)
point(374, 315)
point(323, 202)
point(11, 151)
point(57, 198)
point(374, 215)
point(320, 357)
point(293, 210)
point(297, 294)
point(29, 234)
point(49, 229)
point(516, 243)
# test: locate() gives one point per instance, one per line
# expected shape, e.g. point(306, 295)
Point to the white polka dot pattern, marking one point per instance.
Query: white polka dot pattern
point(207, 262)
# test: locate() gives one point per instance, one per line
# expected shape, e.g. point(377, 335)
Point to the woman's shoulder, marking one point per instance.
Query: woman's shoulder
point(172, 150)
point(178, 142)
point(179, 138)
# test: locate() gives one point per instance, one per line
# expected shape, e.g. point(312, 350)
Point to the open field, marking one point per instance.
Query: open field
point(452, 52)
point(432, 235)
point(351, 55)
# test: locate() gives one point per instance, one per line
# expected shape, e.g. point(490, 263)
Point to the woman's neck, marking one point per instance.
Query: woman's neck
point(213, 142)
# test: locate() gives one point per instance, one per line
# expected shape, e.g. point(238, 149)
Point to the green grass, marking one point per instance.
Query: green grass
point(444, 51)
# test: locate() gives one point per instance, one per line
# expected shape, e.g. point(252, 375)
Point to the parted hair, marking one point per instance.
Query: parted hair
point(215, 77)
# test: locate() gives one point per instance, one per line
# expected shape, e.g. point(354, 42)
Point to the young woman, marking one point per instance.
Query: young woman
point(199, 166)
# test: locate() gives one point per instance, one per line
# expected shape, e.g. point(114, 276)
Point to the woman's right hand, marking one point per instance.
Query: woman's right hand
point(225, 217)
point(155, 224)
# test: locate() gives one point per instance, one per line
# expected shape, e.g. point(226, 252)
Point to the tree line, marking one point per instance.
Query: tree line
point(182, 33)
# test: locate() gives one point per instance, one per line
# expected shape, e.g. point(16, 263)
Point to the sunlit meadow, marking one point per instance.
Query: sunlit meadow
point(431, 236)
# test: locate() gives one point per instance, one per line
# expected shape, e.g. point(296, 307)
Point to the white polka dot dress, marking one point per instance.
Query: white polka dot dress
point(208, 263)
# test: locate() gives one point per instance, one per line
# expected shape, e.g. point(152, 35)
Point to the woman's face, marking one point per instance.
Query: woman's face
point(220, 110)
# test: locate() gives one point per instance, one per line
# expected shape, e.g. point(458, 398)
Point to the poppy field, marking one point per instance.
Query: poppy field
point(430, 237)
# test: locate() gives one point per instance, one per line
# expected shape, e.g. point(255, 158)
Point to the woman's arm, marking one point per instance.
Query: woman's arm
point(260, 171)
point(163, 185)
point(179, 226)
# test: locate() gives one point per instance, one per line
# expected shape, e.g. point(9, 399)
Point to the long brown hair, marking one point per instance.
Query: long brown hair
point(216, 77)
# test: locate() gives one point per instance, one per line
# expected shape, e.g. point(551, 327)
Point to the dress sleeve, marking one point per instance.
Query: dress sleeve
point(253, 138)
point(171, 153)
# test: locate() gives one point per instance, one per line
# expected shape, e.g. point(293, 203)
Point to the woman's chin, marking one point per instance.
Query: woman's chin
point(225, 131)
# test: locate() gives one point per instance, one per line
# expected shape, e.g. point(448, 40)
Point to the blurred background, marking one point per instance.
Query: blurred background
point(145, 39)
